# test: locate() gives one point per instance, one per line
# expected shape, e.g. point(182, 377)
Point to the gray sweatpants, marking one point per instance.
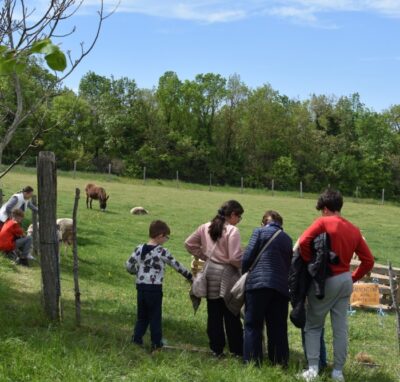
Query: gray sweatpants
point(338, 290)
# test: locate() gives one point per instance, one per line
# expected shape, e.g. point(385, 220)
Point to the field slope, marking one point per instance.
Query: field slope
point(32, 349)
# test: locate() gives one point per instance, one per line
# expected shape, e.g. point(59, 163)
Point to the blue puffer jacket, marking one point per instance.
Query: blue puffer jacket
point(272, 269)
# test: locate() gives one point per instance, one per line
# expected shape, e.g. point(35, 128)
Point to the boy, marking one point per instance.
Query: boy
point(147, 262)
point(13, 237)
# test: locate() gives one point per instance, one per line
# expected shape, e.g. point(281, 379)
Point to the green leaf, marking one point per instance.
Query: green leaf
point(50, 49)
point(40, 46)
point(20, 67)
point(56, 60)
point(7, 66)
point(2, 49)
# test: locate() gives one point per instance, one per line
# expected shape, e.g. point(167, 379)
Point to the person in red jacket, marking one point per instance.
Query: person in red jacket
point(345, 239)
point(12, 237)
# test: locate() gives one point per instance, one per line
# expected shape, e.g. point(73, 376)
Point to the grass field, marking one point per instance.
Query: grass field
point(32, 349)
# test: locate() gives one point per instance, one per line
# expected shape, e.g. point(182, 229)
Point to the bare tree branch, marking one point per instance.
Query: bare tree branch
point(18, 159)
point(25, 34)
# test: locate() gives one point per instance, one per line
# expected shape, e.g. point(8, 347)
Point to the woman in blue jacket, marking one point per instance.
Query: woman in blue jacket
point(267, 292)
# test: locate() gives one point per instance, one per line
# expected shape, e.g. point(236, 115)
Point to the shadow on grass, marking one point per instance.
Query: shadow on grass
point(106, 212)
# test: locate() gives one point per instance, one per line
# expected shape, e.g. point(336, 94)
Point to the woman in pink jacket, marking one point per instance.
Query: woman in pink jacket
point(219, 242)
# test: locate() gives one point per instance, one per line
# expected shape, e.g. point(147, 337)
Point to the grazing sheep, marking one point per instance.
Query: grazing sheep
point(64, 227)
point(64, 231)
point(139, 211)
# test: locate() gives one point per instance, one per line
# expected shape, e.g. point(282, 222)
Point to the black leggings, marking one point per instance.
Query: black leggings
point(218, 315)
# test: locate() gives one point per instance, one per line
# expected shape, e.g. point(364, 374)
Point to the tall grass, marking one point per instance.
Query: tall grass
point(32, 349)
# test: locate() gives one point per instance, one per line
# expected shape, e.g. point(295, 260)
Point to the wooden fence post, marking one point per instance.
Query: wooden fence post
point(241, 185)
point(49, 248)
point(383, 195)
point(76, 263)
point(144, 175)
point(109, 171)
point(301, 189)
point(209, 188)
point(75, 168)
point(35, 229)
point(272, 186)
point(177, 179)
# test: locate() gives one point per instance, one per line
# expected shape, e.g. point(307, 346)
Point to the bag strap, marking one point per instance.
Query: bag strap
point(263, 249)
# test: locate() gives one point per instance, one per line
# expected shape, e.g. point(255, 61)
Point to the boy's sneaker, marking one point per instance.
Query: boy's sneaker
point(12, 255)
point(337, 375)
point(136, 342)
point(30, 257)
point(156, 348)
point(309, 375)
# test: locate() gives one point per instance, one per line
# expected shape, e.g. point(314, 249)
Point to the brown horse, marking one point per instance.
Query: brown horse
point(97, 193)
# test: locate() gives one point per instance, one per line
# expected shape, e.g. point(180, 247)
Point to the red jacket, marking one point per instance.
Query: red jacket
point(345, 240)
point(10, 231)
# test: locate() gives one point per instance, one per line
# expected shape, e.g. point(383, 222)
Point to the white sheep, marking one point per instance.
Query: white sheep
point(139, 211)
point(64, 231)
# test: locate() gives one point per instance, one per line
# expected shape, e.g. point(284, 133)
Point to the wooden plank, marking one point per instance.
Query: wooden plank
point(373, 307)
point(378, 268)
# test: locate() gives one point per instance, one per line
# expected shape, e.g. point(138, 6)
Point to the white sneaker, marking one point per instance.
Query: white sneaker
point(309, 375)
point(337, 375)
point(30, 257)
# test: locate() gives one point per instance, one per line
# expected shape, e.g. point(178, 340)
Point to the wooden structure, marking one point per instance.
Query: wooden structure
point(380, 276)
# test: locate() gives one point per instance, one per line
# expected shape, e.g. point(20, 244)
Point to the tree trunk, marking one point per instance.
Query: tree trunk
point(47, 193)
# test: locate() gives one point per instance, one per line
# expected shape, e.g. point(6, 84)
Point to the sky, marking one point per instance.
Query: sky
point(299, 47)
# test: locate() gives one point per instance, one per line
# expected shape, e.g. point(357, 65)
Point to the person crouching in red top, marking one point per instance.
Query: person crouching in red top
point(13, 237)
point(345, 239)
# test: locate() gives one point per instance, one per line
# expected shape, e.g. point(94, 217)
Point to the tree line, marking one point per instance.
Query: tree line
point(208, 125)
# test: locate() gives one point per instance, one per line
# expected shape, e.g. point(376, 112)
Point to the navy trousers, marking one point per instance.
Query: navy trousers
point(149, 312)
point(270, 307)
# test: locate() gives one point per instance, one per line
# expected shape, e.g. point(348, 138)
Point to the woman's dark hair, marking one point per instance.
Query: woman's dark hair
point(226, 210)
point(273, 215)
point(331, 199)
point(27, 189)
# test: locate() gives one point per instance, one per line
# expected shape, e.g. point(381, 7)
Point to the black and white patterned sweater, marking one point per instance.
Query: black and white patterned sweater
point(147, 262)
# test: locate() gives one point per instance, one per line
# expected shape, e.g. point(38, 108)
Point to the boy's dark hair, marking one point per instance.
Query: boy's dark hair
point(27, 189)
point(17, 213)
point(275, 216)
point(331, 199)
point(158, 227)
point(226, 210)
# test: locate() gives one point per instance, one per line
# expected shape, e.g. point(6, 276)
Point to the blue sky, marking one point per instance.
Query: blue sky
point(300, 47)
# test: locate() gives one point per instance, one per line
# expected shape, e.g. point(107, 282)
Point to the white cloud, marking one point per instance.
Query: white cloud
point(213, 11)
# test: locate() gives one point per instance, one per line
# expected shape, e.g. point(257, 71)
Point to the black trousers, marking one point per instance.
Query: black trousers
point(218, 315)
point(269, 306)
point(149, 312)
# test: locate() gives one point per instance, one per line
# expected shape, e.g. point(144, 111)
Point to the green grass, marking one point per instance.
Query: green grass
point(32, 349)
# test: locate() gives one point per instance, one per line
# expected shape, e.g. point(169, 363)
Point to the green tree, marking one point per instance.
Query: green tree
point(25, 32)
